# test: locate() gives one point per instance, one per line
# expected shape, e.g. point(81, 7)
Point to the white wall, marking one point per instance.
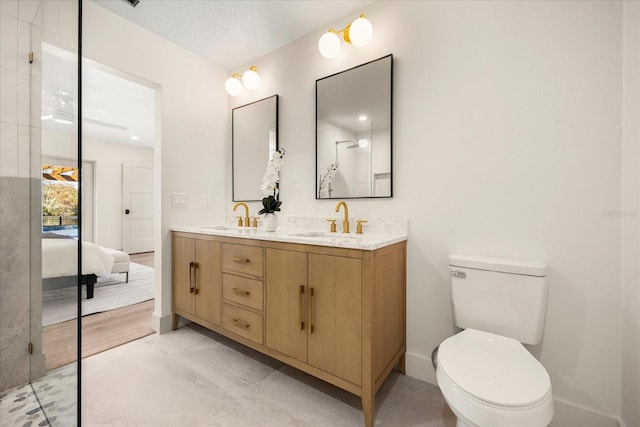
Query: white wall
point(630, 218)
point(191, 157)
point(507, 142)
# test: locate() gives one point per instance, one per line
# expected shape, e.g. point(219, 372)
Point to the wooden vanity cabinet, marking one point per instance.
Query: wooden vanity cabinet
point(314, 310)
point(197, 279)
point(243, 290)
point(335, 313)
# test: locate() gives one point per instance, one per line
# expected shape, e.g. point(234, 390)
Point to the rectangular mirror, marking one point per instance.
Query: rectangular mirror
point(254, 137)
point(354, 132)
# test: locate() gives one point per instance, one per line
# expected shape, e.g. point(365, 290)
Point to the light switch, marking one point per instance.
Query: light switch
point(206, 201)
point(179, 200)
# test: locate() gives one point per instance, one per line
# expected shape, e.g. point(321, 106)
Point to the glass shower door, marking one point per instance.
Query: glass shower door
point(56, 231)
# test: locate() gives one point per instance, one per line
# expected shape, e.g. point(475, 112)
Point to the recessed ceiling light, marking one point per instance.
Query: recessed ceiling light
point(134, 138)
point(363, 118)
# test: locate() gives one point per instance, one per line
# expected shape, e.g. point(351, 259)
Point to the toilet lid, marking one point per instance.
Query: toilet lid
point(493, 368)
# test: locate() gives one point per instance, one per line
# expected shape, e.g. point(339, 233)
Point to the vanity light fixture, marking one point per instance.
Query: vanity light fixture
point(250, 80)
point(357, 33)
point(362, 118)
point(233, 86)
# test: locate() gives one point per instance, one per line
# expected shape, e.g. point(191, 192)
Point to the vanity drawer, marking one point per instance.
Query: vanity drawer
point(242, 322)
point(241, 290)
point(242, 259)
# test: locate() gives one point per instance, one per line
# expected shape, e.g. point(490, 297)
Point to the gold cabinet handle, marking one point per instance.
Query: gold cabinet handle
point(196, 266)
point(300, 302)
point(239, 292)
point(191, 287)
point(241, 323)
point(240, 259)
point(311, 325)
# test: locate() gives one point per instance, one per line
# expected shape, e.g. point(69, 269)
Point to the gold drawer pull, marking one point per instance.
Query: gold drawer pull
point(242, 260)
point(241, 323)
point(239, 292)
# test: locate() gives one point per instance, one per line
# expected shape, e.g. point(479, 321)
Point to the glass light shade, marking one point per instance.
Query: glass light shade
point(233, 86)
point(329, 45)
point(251, 79)
point(360, 32)
point(363, 142)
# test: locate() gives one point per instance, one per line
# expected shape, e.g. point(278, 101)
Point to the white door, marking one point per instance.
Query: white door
point(137, 205)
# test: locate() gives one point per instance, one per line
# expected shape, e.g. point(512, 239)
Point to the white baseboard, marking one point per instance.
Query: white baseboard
point(420, 367)
point(567, 414)
point(161, 324)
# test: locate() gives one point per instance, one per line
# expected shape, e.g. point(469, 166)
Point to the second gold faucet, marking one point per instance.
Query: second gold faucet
point(345, 222)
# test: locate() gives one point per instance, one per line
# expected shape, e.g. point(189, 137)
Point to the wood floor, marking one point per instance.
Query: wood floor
point(144, 258)
point(100, 331)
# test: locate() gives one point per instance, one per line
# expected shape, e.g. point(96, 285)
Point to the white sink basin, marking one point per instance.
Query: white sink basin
point(218, 227)
point(325, 235)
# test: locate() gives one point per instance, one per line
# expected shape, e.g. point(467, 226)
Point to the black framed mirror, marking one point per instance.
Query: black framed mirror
point(354, 132)
point(254, 130)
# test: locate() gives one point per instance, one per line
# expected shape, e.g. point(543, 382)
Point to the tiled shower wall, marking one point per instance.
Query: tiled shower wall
point(20, 257)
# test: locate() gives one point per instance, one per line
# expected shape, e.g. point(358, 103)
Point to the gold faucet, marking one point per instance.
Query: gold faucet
point(246, 214)
point(345, 222)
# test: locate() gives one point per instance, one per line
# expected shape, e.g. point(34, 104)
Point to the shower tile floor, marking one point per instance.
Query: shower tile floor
point(55, 393)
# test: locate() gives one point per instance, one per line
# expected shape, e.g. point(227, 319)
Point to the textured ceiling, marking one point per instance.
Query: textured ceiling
point(232, 33)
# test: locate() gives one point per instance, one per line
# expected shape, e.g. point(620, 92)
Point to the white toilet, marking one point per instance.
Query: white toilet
point(486, 375)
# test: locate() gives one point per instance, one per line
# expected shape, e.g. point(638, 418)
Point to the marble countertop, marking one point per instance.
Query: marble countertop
point(367, 241)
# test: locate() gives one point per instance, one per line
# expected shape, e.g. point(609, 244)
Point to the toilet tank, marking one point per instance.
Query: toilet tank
point(504, 296)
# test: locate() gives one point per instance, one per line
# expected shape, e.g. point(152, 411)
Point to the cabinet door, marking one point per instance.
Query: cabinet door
point(286, 282)
point(335, 316)
point(184, 254)
point(208, 281)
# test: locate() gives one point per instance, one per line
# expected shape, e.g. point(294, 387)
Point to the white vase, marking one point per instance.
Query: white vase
point(270, 222)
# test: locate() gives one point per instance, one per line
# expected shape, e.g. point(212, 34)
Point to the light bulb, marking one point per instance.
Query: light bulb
point(329, 45)
point(251, 79)
point(363, 142)
point(360, 32)
point(233, 86)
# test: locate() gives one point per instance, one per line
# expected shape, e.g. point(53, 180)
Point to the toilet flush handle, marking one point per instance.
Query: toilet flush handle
point(459, 274)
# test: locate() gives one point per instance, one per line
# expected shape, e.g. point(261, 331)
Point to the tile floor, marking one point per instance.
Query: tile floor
point(55, 392)
point(193, 377)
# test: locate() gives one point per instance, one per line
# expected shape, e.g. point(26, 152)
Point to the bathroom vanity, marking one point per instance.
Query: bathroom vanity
point(330, 305)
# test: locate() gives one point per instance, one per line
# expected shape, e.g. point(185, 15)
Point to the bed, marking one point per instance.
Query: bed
point(60, 259)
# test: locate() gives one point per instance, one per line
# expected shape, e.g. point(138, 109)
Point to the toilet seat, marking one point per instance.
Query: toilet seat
point(493, 368)
point(491, 380)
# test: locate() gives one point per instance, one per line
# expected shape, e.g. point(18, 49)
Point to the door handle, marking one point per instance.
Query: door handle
point(195, 278)
point(300, 302)
point(126, 211)
point(311, 325)
point(191, 288)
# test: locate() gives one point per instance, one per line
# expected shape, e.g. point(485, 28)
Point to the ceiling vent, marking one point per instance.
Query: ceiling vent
point(132, 3)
